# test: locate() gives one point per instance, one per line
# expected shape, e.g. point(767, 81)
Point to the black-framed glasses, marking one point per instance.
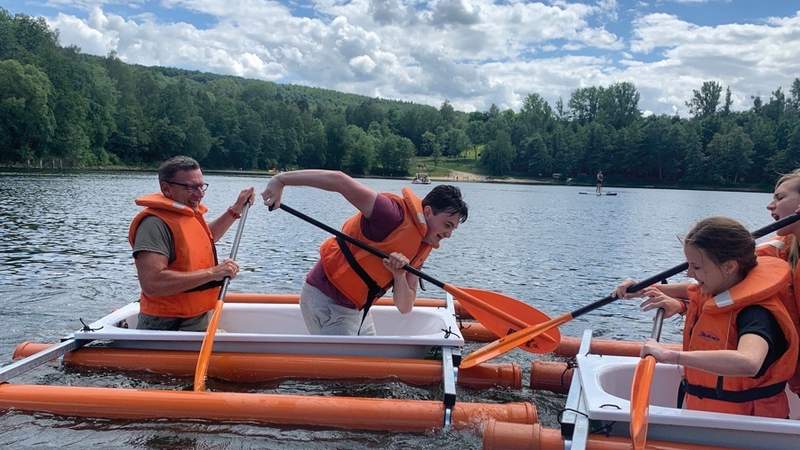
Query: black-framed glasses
point(191, 187)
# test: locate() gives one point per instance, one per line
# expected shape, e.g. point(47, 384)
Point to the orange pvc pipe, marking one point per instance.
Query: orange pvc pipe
point(476, 332)
point(249, 297)
point(473, 331)
point(333, 412)
point(255, 368)
point(569, 347)
point(553, 376)
point(504, 436)
point(515, 436)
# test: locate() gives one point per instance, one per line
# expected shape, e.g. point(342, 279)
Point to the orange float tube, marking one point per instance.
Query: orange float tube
point(515, 436)
point(253, 368)
point(249, 297)
point(553, 376)
point(333, 412)
point(475, 332)
point(569, 347)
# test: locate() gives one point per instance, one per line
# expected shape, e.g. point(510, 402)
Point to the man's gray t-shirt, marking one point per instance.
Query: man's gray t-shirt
point(153, 235)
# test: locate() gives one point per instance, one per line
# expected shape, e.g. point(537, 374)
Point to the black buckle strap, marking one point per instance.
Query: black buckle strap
point(373, 290)
point(717, 393)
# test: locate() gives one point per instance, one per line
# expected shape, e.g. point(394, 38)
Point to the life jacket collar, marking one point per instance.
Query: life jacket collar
point(414, 204)
point(160, 201)
point(769, 277)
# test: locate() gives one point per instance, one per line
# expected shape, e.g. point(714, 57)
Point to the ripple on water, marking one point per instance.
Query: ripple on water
point(64, 255)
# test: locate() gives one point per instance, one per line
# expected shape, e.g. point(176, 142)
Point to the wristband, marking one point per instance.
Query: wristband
point(233, 213)
point(684, 307)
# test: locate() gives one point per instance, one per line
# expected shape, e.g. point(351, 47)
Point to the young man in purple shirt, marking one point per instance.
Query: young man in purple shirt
point(382, 217)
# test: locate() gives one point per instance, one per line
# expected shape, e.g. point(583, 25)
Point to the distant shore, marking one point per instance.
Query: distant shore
point(455, 176)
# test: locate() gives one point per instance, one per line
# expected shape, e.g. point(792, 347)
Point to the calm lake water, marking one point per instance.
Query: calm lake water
point(64, 255)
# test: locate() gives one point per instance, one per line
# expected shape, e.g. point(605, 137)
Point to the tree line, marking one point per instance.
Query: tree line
point(59, 104)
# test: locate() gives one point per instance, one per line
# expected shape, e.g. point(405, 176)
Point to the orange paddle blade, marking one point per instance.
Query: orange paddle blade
point(511, 341)
point(640, 400)
point(507, 316)
point(205, 350)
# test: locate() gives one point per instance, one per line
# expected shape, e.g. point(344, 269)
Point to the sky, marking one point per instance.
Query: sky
point(472, 53)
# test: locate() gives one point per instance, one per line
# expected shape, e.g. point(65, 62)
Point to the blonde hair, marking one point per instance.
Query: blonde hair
point(794, 246)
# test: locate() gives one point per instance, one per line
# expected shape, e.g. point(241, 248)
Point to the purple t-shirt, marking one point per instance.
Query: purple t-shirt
point(386, 216)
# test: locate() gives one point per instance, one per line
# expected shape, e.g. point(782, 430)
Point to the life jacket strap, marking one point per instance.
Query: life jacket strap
point(373, 289)
point(749, 395)
point(209, 285)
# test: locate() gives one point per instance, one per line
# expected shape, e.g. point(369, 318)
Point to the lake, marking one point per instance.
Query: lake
point(64, 256)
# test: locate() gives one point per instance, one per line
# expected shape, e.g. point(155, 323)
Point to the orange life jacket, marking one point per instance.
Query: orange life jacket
point(779, 247)
point(711, 325)
point(406, 239)
point(194, 250)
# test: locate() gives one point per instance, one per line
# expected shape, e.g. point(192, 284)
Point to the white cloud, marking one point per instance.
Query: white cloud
point(472, 52)
point(456, 12)
point(89, 34)
point(362, 64)
point(753, 59)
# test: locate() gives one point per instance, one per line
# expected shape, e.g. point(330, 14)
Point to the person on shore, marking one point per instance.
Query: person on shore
point(599, 182)
point(740, 343)
point(342, 285)
point(173, 248)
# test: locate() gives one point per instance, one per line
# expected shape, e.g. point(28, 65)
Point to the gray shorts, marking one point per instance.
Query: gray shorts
point(323, 316)
point(196, 323)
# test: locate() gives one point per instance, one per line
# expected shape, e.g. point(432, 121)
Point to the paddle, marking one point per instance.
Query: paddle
point(483, 305)
point(640, 389)
point(208, 341)
point(517, 338)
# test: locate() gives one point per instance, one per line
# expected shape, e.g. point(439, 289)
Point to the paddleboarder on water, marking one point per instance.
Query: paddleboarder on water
point(599, 182)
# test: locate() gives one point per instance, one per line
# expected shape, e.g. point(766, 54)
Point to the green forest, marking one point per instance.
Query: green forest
point(61, 108)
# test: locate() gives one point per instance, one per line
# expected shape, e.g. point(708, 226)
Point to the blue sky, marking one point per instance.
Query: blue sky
point(473, 53)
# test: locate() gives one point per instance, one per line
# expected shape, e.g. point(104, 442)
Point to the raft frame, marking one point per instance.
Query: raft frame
point(279, 328)
point(590, 405)
point(450, 351)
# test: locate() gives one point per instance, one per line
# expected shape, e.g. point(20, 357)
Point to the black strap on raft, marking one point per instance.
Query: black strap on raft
point(449, 332)
point(718, 393)
point(87, 327)
point(373, 290)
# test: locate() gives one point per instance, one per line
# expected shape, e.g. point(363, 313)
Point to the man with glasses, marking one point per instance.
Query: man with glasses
point(173, 247)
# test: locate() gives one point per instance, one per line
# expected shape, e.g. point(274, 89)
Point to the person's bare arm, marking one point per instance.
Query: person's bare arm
point(155, 279)
point(221, 224)
point(358, 194)
point(674, 290)
point(655, 299)
point(745, 361)
point(404, 287)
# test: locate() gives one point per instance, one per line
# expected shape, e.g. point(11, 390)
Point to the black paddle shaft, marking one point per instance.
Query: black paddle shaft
point(358, 243)
point(680, 268)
